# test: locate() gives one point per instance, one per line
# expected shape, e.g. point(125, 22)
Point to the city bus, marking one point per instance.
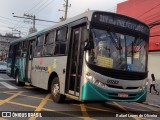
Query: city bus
point(95, 56)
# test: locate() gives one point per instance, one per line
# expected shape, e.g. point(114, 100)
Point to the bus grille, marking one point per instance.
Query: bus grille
point(120, 87)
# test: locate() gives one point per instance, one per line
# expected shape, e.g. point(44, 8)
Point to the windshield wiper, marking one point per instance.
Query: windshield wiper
point(118, 46)
point(137, 44)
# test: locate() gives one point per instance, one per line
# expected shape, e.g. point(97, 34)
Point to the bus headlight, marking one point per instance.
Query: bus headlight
point(146, 83)
point(142, 88)
point(96, 82)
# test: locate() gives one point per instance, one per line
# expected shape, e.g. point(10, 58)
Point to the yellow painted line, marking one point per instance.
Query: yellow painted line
point(30, 106)
point(39, 108)
point(11, 91)
point(10, 98)
point(44, 101)
point(133, 108)
point(32, 96)
point(99, 109)
point(72, 115)
point(50, 100)
point(84, 112)
point(120, 106)
point(2, 118)
point(24, 105)
point(25, 95)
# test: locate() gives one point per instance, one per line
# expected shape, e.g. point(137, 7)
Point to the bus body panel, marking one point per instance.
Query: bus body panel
point(95, 93)
point(43, 67)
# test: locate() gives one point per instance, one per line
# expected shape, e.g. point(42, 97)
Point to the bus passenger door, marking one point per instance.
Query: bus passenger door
point(74, 62)
point(13, 59)
point(29, 59)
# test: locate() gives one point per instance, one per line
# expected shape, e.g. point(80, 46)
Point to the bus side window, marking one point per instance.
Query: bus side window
point(39, 46)
point(19, 50)
point(48, 44)
point(24, 49)
point(10, 54)
point(60, 44)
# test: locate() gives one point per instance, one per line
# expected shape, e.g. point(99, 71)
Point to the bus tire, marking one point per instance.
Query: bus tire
point(55, 91)
point(18, 83)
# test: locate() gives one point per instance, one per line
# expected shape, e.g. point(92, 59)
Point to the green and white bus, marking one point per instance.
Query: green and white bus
point(98, 56)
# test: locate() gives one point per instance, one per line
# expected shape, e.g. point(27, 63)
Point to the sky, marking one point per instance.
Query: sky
point(46, 10)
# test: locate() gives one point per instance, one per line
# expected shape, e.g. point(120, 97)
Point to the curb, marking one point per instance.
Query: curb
point(151, 104)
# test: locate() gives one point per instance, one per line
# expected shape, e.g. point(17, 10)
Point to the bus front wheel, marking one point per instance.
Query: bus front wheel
point(55, 91)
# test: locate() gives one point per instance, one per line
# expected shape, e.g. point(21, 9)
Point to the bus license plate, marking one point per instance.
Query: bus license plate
point(123, 95)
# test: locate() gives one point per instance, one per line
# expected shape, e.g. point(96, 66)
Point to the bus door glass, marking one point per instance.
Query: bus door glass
point(75, 58)
point(29, 59)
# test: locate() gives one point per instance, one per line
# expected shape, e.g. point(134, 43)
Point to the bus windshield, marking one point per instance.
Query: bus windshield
point(116, 50)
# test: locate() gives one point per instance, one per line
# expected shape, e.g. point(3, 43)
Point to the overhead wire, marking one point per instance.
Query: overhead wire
point(34, 6)
point(151, 17)
point(6, 21)
point(149, 10)
point(37, 8)
point(18, 26)
point(40, 6)
point(44, 6)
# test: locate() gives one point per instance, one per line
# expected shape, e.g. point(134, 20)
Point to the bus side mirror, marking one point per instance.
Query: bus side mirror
point(89, 45)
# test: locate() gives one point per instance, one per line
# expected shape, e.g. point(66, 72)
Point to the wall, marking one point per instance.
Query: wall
point(146, 11)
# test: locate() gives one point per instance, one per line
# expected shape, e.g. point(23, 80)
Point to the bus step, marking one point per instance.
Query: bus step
point(72, 96)
point(27, 83)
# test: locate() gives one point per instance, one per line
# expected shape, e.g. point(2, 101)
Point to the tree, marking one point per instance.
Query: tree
point(9, 34)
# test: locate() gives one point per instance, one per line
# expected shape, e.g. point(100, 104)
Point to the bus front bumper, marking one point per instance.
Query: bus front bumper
point(95, 93)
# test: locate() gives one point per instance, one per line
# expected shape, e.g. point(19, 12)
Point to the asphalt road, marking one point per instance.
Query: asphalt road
point(23, 102)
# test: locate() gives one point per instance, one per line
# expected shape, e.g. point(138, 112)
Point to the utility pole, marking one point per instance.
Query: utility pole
point(66, 10)
point(66, 6)
point(33, 18)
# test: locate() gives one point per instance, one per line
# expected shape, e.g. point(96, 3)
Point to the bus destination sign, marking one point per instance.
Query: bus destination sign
point(121, 21)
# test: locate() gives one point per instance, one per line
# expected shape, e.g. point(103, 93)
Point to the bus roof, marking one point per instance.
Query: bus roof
point(87, 14)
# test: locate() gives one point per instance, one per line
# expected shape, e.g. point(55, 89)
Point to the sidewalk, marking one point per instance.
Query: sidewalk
point(152, 98)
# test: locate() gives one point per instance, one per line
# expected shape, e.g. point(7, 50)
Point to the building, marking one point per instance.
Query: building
point(148, 12)
point(4, 45)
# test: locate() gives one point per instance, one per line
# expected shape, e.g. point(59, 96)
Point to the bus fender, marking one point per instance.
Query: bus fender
point(51, 77)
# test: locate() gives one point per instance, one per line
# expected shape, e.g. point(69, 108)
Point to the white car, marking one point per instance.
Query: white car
point(3, 66)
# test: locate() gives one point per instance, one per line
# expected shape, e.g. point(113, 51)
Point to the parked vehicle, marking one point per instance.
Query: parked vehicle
point(3, 66)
